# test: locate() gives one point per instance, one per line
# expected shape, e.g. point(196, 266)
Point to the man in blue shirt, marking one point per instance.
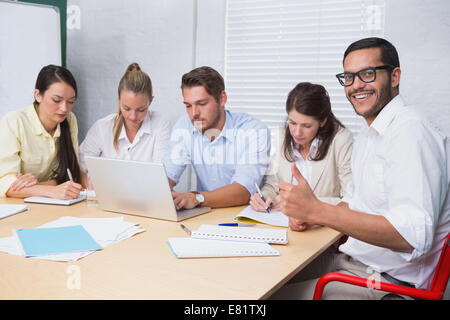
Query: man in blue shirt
point(229, 152)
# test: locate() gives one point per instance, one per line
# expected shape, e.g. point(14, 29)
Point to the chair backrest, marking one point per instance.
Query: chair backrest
point(442, 271)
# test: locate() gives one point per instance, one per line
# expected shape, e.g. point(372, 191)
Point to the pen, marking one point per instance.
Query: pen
point(185, 229)
point(262, 197)
point(69, 174)
point(237, 224)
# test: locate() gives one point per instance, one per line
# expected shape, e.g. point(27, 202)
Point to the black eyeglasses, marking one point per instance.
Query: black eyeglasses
point(366, 75)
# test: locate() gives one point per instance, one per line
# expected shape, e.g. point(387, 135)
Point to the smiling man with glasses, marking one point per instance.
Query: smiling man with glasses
point(371, 79)
point(397, 210)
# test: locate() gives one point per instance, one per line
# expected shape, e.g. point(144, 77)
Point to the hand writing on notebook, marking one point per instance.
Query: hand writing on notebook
point(67, 190)
point(257, 204)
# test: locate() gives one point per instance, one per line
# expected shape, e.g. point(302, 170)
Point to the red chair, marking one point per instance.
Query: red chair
point(435, 292)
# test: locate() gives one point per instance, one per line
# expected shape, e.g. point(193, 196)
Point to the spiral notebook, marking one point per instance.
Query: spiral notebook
point(264, 235)
point(206, 248)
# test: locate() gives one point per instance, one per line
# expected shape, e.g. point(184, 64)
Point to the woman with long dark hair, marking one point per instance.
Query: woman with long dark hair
point(317, 142)
point(39, 144)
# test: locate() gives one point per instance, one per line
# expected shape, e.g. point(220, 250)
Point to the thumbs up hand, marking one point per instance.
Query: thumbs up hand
point(298, 201)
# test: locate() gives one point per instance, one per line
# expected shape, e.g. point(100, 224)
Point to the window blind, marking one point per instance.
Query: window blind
point(270, 46)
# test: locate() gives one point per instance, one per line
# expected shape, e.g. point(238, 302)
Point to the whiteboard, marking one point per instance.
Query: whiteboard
point(29, 39)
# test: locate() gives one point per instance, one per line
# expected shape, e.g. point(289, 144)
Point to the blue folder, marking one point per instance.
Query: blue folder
point(42, 241)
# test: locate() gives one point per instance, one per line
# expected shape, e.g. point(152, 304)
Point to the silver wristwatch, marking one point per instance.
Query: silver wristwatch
point(199, 197)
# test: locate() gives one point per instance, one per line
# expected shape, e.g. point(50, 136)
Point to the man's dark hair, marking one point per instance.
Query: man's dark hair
point(206, 77)
point(389, 54)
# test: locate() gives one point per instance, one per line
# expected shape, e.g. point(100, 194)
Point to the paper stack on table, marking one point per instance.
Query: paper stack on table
point(105, 231)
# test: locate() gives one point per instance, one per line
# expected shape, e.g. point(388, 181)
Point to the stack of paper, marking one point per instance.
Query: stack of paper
point(104, 231)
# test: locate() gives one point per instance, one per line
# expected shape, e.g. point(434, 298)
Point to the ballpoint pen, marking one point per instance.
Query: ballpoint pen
point(262, 197)
point(69, 174)
point(237, 224)
point(185, 229)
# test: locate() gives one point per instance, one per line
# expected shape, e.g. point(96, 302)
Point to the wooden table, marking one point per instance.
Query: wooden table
point(143, 267)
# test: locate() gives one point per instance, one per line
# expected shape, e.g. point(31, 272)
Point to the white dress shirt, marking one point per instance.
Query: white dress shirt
point(305, 165)
point(400, 171)
point(148, 145)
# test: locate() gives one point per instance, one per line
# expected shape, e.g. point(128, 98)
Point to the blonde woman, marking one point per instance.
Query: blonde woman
point(134, 132)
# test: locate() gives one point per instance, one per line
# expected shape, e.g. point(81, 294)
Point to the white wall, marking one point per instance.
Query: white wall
point(420, 30)
point(210, 34)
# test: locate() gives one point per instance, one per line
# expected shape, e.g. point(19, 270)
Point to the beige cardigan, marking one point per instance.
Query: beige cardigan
point(329, 177)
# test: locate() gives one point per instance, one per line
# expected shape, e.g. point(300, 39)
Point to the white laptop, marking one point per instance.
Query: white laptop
point(137, 188)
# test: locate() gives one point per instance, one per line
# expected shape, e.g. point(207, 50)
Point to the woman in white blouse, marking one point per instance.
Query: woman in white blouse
point(317, 142)
point(134, 132)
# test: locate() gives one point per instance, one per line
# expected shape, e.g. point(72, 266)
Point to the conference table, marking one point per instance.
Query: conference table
point(144, 267)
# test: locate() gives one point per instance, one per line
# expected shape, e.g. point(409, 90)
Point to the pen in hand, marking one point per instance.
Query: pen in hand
point(69, 174)
point(262, 197)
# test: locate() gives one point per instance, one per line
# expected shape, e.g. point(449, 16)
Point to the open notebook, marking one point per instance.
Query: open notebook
point(274, 218)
